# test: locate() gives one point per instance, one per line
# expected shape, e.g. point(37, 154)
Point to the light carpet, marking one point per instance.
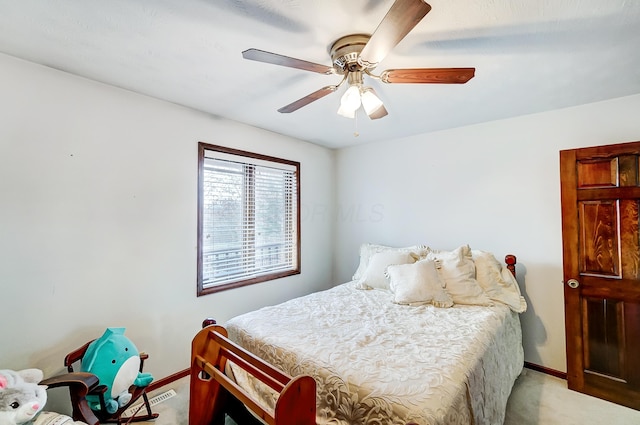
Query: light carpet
point(537, 398)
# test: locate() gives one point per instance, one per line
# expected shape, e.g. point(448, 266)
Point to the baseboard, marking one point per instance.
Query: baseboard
point(167, 380)
point(548, 371)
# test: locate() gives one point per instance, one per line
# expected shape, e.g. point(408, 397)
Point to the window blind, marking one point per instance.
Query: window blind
point(249, 218)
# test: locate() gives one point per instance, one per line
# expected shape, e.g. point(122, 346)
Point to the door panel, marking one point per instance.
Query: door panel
point(629, 237)
point(598, 173)
point(599, 241)
point(600, 194)
point(604, 337)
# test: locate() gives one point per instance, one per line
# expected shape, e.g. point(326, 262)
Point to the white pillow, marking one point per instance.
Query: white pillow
point(497, 281)
point(374, 276)
point(458, 272)
point(367, 250)
point(418, 283)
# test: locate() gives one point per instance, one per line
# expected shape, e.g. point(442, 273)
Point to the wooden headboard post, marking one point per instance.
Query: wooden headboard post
point(510, 260)
point(208, 322)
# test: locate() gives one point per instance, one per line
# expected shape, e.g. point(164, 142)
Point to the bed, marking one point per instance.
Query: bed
point(419, 336)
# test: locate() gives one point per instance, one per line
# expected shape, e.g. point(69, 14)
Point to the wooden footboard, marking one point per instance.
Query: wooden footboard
point(212, 390)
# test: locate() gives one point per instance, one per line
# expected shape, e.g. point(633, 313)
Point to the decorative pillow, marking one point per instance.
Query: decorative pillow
point(458, 272)
point(374, 275)
point(418, 283)
point(497, 281)
point(367, 250)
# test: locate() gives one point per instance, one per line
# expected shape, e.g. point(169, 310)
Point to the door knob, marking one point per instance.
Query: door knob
point(573, 283)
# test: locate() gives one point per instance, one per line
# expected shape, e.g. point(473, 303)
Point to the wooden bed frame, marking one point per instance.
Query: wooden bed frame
point(213, 394)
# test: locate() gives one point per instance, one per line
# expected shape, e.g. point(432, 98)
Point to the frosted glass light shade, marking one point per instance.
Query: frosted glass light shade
point(346, 112)
point(370, 102)
point(351, 98)
point(350, 101)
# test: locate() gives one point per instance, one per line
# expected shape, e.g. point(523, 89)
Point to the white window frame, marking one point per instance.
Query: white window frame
point(211, 277)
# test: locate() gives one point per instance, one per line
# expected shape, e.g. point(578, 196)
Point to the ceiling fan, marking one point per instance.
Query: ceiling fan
point(356, 55)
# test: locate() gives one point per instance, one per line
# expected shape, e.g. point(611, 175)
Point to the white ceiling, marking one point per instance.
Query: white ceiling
point(530, 56)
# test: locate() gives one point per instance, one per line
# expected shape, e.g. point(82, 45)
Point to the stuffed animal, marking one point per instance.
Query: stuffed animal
point(22, 400)
point(115, 360)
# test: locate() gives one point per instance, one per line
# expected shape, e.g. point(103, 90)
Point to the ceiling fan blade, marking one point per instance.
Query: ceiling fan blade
point(276, 59)
point(403, 16)
point(428, 75)
point(307, 99)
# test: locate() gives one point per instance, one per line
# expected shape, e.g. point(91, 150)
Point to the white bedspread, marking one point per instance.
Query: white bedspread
point(376, 362)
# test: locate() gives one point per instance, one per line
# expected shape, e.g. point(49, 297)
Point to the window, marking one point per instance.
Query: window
point(248, 218)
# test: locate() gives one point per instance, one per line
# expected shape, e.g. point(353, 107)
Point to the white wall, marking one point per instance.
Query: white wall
point(495, 186)
point(98, 212)
point(98, 218)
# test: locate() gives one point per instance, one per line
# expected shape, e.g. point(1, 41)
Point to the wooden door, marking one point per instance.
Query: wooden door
point(600, 192)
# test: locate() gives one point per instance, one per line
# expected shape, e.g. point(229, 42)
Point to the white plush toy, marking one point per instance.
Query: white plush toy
point(22, 400)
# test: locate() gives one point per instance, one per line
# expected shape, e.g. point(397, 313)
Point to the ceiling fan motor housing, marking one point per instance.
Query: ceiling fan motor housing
point(345, 52)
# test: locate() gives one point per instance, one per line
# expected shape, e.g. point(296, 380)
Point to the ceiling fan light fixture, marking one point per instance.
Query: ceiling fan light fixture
point(347, 113)
point(370, 102)
point(351, 98)
point(357, 96)
point(350, 102)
